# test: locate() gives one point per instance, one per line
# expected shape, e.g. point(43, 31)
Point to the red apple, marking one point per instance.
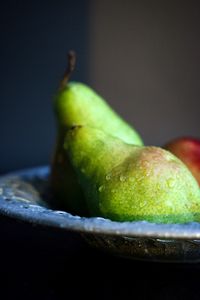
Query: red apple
point(187, 149)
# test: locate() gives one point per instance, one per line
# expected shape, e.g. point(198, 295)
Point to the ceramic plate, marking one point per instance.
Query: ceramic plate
point(24, 196)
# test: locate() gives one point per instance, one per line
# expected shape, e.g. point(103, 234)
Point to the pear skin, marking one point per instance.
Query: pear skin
point(125, 182)
point(67, 193)
point(76, 103)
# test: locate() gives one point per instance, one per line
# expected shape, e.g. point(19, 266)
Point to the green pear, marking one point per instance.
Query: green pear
point(125, 182)
point(76, 103)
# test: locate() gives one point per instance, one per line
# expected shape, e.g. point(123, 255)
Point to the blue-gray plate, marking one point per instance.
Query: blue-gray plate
point(23, 197)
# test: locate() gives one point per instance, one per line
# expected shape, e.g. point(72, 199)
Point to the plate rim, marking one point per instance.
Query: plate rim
point(40, 215)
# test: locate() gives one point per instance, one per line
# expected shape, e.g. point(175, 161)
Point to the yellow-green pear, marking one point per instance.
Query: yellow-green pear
point(76, 103)
point(125, 182)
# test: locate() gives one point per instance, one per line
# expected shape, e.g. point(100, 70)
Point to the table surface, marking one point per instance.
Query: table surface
point(42, 263)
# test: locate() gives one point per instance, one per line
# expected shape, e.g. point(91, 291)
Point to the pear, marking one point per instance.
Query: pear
point(76, 103)
point(187, 149)
point(125, 182)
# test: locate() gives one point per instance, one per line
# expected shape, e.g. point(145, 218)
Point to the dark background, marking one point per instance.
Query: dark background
point(143, 56)
point(39, 263)
point(145, 61)
point(35, 37)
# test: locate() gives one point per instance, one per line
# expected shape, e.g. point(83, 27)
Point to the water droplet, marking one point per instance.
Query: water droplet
point(101, 188)
point(83, 170)
point(122, 178)
point(142, 204)
point(147, 174)
point(108, 176)
point(170, 183)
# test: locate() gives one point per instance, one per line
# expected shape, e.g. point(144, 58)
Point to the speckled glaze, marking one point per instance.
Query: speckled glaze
point(24, 195)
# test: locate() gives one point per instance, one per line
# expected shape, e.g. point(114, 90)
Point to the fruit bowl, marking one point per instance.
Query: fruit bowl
point(24, 196)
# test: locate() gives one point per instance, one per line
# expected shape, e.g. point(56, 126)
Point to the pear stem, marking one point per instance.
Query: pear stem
point(69, 70)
